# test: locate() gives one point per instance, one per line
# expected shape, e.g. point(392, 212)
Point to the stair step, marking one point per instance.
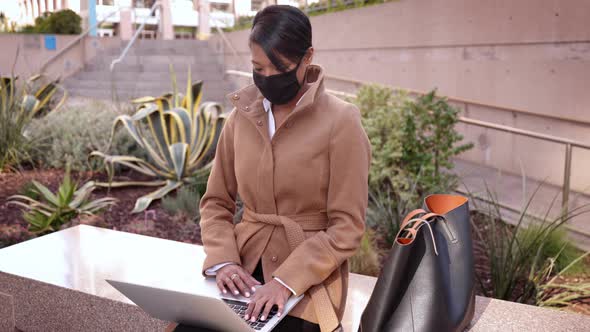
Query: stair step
point(184, 47)
point(146, 71)
point(205, 73)
point(129, 95)
point(157, 66)
point(162, 85)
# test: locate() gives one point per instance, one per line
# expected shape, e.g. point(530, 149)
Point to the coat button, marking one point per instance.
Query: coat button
point(246, 109)
point(259, 122)
point(274, 258)
point(236, 97)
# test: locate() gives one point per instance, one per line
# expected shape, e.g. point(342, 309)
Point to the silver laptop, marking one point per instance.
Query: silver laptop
point(222, 313)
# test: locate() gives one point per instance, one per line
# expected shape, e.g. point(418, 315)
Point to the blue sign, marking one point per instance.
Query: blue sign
point(50, 42)
point(92, 17)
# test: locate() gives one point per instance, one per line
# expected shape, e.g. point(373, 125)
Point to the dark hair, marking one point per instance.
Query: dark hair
point(284, 30)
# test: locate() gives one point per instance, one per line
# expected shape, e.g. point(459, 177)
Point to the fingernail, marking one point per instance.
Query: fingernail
point(224, 291)
point(253, 319)
point(247, 294)
point(262, 318)
point(236, 292)
point(246, 317)
point(253, 289)
point(278, 314)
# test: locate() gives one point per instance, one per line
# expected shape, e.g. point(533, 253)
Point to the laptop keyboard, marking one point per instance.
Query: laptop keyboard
point(240, 308)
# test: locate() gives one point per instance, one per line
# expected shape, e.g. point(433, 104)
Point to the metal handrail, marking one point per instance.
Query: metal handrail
point(569, 144)
point(78, 39)
point(135, 35)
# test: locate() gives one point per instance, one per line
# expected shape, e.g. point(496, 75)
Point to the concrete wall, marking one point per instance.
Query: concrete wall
point(529, 54)
point(32, 54)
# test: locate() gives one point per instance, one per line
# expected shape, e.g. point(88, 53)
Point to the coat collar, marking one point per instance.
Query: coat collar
point(248, 100)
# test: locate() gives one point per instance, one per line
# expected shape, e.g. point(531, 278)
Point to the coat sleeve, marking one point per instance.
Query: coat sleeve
point(318, 256)
point(218, 204)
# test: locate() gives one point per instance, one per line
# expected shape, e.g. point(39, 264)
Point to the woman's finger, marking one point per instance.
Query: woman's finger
point(281, 307)
point(230, 284)
point(248, 280)
point(241, 285)
point(221, 286)
point(267, 307)
point(258, 308)
point(250, 307)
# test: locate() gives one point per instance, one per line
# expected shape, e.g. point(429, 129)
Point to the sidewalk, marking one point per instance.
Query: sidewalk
point(509, 190)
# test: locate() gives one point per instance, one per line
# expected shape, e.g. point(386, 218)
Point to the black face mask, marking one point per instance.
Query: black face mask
point(279, 89)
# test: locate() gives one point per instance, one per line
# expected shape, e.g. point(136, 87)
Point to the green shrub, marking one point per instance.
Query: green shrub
point(63, 22)
point(557, 245)
point(366, 259)
point(413, 142)
point(68, 136)
point(382, 118)
point(28, 29)
point(185, 203)
point(242, 23)
point(430, 141)
point(42, 23)
point(330, 6)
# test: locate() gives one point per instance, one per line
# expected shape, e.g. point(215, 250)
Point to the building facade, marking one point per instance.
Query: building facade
point(184, 13)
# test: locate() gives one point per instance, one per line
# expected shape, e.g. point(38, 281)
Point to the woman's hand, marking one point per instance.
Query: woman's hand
point(270, 294)
point(236, 279)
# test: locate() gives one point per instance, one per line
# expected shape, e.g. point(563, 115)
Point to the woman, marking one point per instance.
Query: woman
point(299, 160)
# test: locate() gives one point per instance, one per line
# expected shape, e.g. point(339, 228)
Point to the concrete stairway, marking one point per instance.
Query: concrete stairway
point(145, 71)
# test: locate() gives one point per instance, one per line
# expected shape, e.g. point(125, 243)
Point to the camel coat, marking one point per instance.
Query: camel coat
point(313, 173)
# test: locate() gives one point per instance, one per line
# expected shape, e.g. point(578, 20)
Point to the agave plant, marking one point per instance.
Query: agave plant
point(51, 210)
point(18, 106)
point(180, 141)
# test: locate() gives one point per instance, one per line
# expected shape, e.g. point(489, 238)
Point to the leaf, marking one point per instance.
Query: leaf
point(178, 152)
point(143, 202)
point(153, 183)
point(135, 163)
point(46, 193)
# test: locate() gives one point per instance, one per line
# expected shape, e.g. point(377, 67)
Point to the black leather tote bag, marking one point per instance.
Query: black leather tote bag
point(427, 282)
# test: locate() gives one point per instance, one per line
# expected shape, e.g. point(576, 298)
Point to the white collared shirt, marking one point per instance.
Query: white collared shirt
point(271, 118)
point(267, 105)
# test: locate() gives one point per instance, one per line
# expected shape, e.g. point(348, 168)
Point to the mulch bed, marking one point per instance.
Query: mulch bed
point(153, 222)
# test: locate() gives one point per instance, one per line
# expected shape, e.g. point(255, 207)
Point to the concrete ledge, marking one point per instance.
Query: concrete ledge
point(57, 283)
point(490, 314)
point(498, 315)
point(39, 306)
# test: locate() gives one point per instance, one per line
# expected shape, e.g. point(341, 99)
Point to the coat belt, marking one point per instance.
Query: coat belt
point(295, 225)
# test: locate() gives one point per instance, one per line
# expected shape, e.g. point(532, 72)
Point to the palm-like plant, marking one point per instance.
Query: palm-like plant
point(180, 141)
point(50, 210)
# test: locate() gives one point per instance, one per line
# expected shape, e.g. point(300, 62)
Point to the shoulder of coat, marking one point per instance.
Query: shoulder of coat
point(340, 108)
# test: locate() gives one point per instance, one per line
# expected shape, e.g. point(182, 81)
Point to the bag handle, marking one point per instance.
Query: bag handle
point(413, 230)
